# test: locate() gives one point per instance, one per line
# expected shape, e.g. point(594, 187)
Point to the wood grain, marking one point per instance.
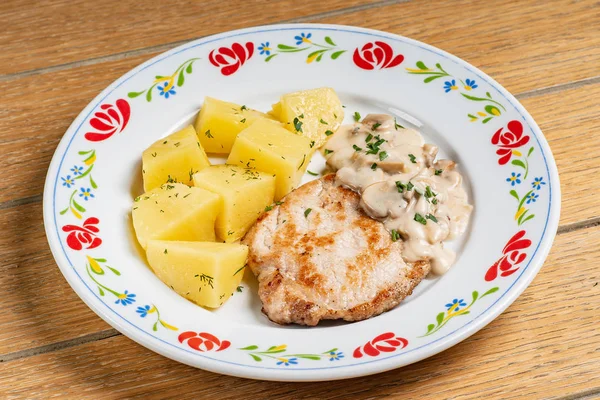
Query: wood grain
point(83, 29)
point(544, 346)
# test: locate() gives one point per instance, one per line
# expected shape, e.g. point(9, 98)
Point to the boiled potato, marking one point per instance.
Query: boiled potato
point(270, 148)
point(219, 122)
point(203, 272)
point(245, 193)
point(175, 211)
point(173, 159)
point(311, 113)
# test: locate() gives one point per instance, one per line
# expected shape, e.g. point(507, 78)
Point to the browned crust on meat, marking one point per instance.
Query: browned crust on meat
point(294, 299)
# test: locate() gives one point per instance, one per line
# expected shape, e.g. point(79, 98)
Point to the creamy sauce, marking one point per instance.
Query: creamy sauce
point(420, 200)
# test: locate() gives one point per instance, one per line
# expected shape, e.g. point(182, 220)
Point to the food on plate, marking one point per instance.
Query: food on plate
point(245, 192)
point(270, 148)
point(314, 113)
point(318, 256)
point(418, 199)
point(203, 272)
point(219, 122)
point(174, 158)
point(175, 211)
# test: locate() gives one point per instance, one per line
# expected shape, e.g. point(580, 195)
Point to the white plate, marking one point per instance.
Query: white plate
point(471, 117)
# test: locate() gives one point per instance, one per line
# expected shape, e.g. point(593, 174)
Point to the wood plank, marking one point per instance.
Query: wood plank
point(544, 346)
point(27, 144)
point(67, 31)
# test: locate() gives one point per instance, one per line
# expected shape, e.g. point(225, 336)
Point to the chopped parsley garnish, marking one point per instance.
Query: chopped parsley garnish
point(298, 124)
point(311, 173)
point(312, 144)
point(328, 132)
point(279, 203)
point(356, 116)
point(165, 142)
point(208, 134)
point(397, 125)
point(166, 252)
point(242, 108)
point(169, 187)
point(409, 186)
point(395, 235)
point(434, 201)
point(301, 116)
point(356, 148)
point(171, 180)
point(303, 160)
point(369, 137)
point(439, 171)
point(186, 195)
point(413, 159)
point(374, 166)
point(230, 233)
point(375, 126)
point(431, 217)
point(153, 154)
point(268, 208)
point(429, 193)
point(383, 155)
point(239, 289)
point(307, 211)
point(327, 151)
point(323, 122)
point(401, 186)
point(243, 121)
point(176, 144)
point(419, 218)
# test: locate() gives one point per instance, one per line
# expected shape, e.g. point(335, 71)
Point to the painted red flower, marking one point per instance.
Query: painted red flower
point(376, 54)
point(83, 236)
point(231, 59)
point(203, 341)
point(511, 256)
point(112, 119)
point(507, 141)
point(386, 342)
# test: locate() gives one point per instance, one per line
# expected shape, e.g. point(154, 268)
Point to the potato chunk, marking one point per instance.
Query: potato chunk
point(219, 122)
point(203, 272)
point(175, 159)
point(245, 193)
point(175, 212)
point(270, 148)
point(310, 113)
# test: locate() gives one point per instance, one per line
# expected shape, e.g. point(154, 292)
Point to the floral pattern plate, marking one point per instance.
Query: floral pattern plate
point(508, 167)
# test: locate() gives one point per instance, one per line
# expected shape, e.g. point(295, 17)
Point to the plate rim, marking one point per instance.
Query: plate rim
point(348, 371)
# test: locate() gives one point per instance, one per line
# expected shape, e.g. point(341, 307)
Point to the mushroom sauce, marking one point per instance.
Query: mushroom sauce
point(419, 200)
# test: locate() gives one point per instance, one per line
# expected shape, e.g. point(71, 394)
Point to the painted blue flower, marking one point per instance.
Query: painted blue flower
point(537, 183)
point(264, 48)
point(470, 84)
point(76, 170)
point(303, 38)
point(68, 181)
point(125, 298)
point(143, 311)
point(459, 303)
point(335, 356)
point(86, 193)
point(450, 85)
point(532, 197)
point(287, 361)
point(166, 90)
point(514, 179)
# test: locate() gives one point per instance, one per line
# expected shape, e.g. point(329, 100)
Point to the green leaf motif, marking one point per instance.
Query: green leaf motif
point(63, 212)
point(155, 326)
point(430, 327)
point(328, 40)
point(149, 94)
point(492, 290)
point(530, 151)
point(485, 121)
point(180, 79)
point(514, 194)
point(286, 47)
point(421, 65)
point(133, 95)
point(252, 347)
point(431, 78)
point(189, 68)
point(78, 207)
point(518, 163)
point(475, 295)
point(93, 183)
point(308, 356)
point(270, 57)
point(526, 219)
point(114, 271)
point(100, 291)
point(256, 358)
point(335, 55)
point(440, 318)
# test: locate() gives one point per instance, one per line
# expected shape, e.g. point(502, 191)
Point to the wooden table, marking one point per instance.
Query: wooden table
point(56, 56)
